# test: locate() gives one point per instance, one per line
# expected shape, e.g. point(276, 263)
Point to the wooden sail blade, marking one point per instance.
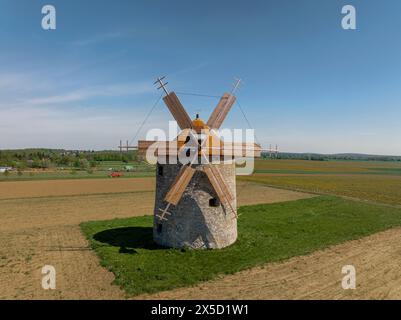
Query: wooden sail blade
point(247, 149)
point(177, 110)
point(239, 149)
point(144, 145)
point(159, 148)
point(219, 184)
point(212, 147)
point(223, 184)
point(217, 147)
point(179, 185)
point(220, 112)
point(217, 110)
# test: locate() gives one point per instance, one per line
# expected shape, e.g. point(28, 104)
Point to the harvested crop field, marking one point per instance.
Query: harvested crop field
point(366, 180)
point(374, 188)
point(52, 188)
point(42, 228)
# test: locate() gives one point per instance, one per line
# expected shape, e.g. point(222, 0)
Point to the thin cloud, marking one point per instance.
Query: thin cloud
point(123, 89)
point(99, 38)
point(190, 69)
point(73, 128)
point(10, 80)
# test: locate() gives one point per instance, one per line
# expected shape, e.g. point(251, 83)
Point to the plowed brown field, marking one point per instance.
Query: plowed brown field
point(51, 188)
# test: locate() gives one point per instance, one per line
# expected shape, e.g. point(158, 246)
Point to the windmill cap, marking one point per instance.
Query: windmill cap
point(198, 124)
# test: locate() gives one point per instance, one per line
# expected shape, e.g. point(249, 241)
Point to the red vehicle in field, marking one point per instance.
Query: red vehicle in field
point(116, 175)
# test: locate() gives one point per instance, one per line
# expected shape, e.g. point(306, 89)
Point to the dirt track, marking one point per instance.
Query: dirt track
point(44, 230)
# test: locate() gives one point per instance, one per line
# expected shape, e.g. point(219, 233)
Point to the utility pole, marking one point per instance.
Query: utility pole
point(162, 85)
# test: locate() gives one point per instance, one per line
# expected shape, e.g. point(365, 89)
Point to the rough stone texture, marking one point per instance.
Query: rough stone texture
point(194, 223)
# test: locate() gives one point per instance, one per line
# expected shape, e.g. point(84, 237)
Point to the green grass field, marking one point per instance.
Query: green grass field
point(335, 167)
point(267, 233)
point(62, 175)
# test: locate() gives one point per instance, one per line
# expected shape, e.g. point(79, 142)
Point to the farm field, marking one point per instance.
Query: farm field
point(39, 224)
point(371, 181)
point(53, 188)
point(266, 233)
point(103, 169)
point(338, 167)
point(67, 175)
point(313, 276)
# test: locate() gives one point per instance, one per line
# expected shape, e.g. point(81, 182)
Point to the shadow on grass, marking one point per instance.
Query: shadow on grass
point(129, 239)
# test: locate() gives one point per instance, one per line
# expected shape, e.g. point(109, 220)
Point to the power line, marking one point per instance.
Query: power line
point(190, 94)
point(146, 118)
point(197, 94)
point(247, 121)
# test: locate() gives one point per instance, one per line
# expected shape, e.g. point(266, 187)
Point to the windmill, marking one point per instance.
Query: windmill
point(195, 202)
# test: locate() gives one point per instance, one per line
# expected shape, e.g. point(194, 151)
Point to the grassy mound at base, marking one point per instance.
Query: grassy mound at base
point(267, 233)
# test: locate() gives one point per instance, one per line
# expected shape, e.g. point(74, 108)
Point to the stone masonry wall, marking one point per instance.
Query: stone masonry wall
point(194, 223)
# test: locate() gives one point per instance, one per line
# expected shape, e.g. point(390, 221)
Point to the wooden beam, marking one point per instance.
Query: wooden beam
point(177, 110)
point(219, 184)
point(179, 185)
point(220, 112)
point(238, 149)
point(161, 147)
point(212, 148)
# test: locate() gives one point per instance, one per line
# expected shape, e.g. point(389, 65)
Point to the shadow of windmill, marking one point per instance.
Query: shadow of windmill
point(129, 239)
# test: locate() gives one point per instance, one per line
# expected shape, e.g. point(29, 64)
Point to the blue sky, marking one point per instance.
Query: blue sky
point(310, 86)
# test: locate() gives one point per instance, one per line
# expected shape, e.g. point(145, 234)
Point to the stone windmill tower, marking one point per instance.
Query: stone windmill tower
point(195, 203)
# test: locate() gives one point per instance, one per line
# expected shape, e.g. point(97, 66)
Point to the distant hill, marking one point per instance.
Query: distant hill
point(337, 156)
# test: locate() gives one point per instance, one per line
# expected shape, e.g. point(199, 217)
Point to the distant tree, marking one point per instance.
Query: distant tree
point(84, 164)
point(21, 165)
point(76, 163)
point(45, 163)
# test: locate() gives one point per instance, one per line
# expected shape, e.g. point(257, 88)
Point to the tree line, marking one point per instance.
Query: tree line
point(48, 158)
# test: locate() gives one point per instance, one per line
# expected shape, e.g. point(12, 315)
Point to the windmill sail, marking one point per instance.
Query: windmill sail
point(177, 110)
point(220, 112)
point(179, 185)
point(219, 185)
